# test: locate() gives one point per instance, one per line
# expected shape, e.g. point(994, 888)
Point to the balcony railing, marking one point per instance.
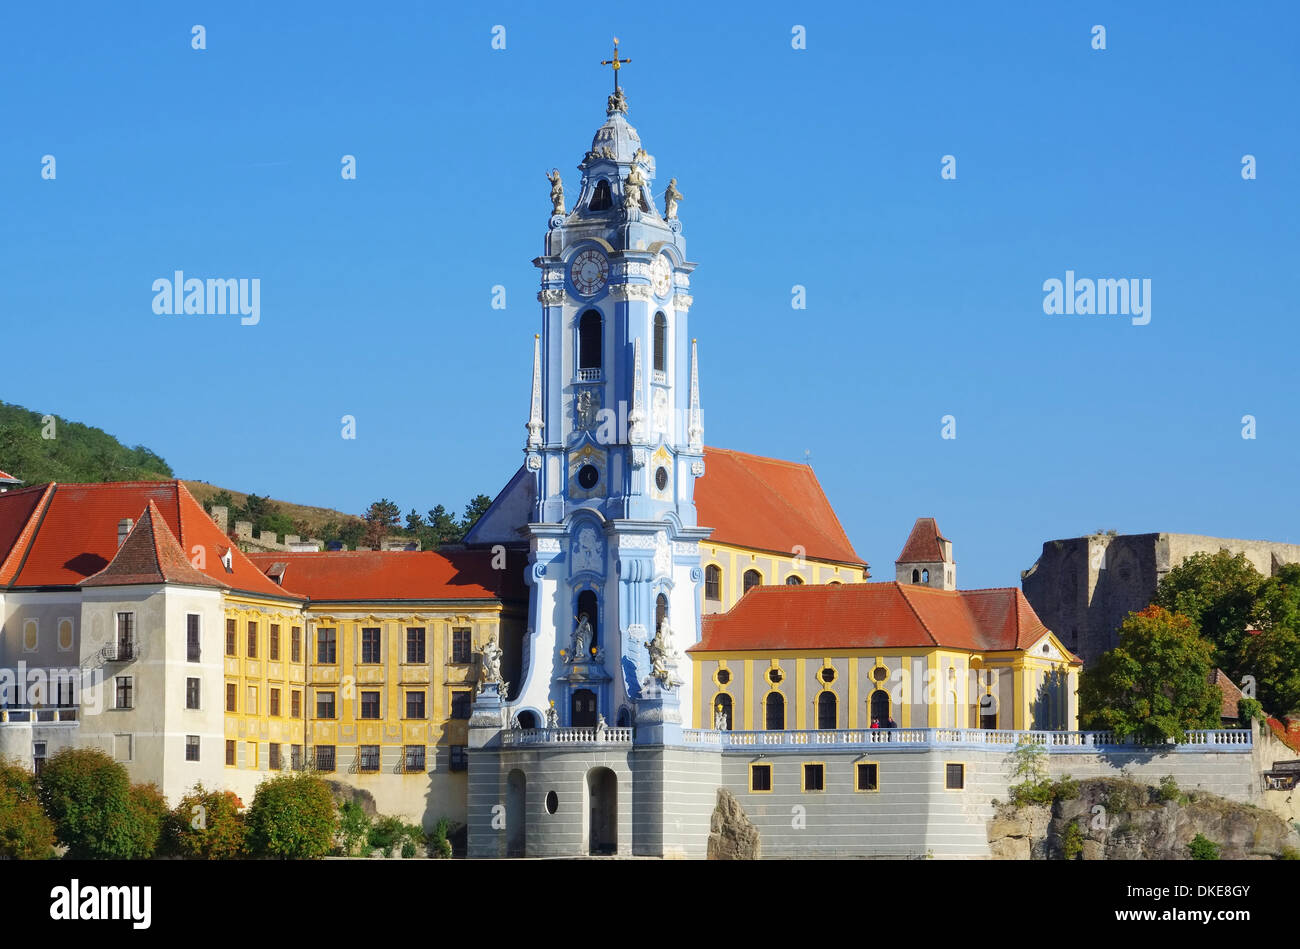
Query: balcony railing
point(119, 651)
point(567, 736)
point(589, 375)
point(1227, 739)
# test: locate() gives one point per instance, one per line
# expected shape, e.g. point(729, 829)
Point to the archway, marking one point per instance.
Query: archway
point(528, 719)
point(602, 811)
point(879, 710)
point(516, 814)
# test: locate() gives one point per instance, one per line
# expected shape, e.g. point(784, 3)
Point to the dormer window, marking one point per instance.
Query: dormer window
point(600, 198)
point(228, 560)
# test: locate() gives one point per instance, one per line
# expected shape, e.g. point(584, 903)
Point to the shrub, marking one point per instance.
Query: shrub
point(1169, 789)
point(1067, 789)
point(88, 797)
point(207, 825)
point(1202, 848)
point(439, 845)
point(408, 849)
point(386, 833)
point(26, 833)
point(1072, 841)
point(292, 817)
point(1289, 853)
point(1248, 708)
point(354, 828)
point(148, 813)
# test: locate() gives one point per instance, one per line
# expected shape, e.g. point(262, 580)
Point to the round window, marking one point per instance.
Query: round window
point(724, 676)
point(661, 478)
point(588, 476)
point(774, 676)
point(828, 674)
point(880, 673)
point(552, 802)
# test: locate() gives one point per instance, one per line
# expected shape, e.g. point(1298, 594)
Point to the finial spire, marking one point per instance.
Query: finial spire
point(617, 101)
point(695, 427)
point(535, 423)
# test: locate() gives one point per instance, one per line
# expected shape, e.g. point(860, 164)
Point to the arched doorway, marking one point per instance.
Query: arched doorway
point(528, 719)
point(516, 814)
point(878, 710)
point(582, 709)
point(602, 811)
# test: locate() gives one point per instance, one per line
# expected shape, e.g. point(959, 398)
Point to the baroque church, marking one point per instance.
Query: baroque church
point(636, 627)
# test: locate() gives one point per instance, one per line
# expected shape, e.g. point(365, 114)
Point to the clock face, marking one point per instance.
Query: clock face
point(661, 276)
point(589, 272)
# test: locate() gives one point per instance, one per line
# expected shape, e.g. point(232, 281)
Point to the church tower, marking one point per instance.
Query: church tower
point(614, 447)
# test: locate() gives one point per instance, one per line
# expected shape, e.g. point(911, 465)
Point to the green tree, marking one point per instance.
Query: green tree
point(26, 833)
point(148, 815)
point(476, 508)
point(414, 522)
point(1217, 593)
point(75, 452)
point(380, 519)
point(444, 527)
point(208, 825)
point(292, 817)
point(1155, 684)
point(1272, 656)
point(88, 797)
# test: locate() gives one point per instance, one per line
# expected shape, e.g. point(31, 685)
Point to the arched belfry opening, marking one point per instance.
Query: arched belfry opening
point(600, 198)
point(590, 331)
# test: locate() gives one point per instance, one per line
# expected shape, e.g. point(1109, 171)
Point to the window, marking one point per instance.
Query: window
point(459, 758)
point(723, 676)
point(415, 704)
point(192, 692)
point(589, 342)
point(273, 753)
point(125, 634)
point(369, 755)
point(415, 644)
point(722, 710)
point(794, 580)
point(827, 674)
point(775, 708)
point(370, 644)
point(916, 576)
point(661, 611)
point(324, 757)
point(191, 747)
point(413, 758)
point(122, 747)
point(252, 639)
point(231, 633)
point(460, 704)
point(193, 646)
point(775, 675)
point(324, 704)
point(295, 703)
point(274, 655)
point(826, 711)
point(954, 777)
point(369, 704)
point(31, 635)
point(230, 753)
point(868, 776)
point(814, 776)
point(760, 777)
point(232, 697)
point(38, 757)
point(65, 634)
point(325, 646)
point(460, 645)
point(752, 578)
point(713, 582)
point(251, 707)
point(295, 644)
point(250, 754)
point(124, 689)
point(295, 757)
point(275, 702)
point(600, 198)
point(661, 343)
point(925, 576)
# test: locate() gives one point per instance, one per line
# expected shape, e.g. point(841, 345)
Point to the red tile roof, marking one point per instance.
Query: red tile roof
point(20, 512)
point(873, 615)
point(1230, 693)
point(150, 554)
point(398, 574)
point(768, 504)
point(923, 543)
point(72, 534)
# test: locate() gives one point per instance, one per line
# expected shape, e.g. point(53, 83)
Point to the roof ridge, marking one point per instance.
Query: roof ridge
point(924, 625)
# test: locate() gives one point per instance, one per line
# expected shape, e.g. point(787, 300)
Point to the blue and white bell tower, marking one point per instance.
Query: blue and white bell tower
point(613, 449)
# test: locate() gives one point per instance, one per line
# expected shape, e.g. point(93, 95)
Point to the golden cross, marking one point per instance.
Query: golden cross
point(616, 63)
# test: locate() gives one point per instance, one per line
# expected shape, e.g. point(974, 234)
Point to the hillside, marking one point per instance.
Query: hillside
point(61, 450)
point(309, 521)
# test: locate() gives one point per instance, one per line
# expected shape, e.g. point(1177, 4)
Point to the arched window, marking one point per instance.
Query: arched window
point(587, 604)
point(775, 708)
point(589, 339)
point(722, 703)
point(925, 576)
point(661, 342)
point(752, 579)
point(916, 576)
point(713, 583)
point(793, 580)
point(880, 707)
point(661, 611)
point(600, 199)
point(827, 711)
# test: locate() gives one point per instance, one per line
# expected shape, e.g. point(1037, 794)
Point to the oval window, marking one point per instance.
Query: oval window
point(661, 478)
point(588, 476)
point(552, 802)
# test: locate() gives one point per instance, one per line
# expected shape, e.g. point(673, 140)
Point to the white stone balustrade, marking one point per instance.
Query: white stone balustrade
point(566, 736)
point(1234, 739)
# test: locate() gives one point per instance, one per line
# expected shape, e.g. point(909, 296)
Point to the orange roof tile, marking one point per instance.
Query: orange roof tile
point(20, 513)
point(150, 554)
point(769, 504)
point(1229, 692)
point(398, 574)
point(923, 543)
point(76, 535)
point(873, 615)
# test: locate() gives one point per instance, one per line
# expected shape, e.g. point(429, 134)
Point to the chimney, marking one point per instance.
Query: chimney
point(123, 528)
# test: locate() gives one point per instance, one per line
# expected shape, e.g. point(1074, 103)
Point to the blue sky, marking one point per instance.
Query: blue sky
point(818, 167)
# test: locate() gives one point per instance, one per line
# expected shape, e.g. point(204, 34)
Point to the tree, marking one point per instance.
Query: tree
point(475, 509)
point(444, 527)
point(1272, 657)
point(88, 797)
point(26, 833)
point(1217, 593)
point(148, 814)
point(1155, 683)
point(292, 817)
point(380, 518)
point(414, 522)
point(207, 825)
